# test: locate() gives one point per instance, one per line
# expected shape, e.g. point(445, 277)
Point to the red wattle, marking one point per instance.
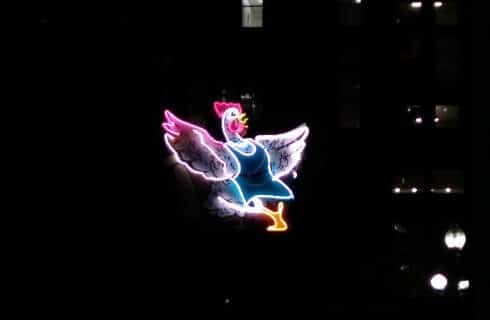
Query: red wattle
point(234, 126)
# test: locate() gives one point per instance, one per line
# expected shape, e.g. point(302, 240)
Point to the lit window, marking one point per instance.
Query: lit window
point(252, 13)
point(409, 13)
point(399, 228)
point(443, 182)
point(416, 4)
point(447, 115)
point(411, 116)
point(408, 184)
point(415, 116)
point(447, 182)
point(437, 4)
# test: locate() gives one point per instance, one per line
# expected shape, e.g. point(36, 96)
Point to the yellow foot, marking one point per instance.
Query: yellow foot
point(279, 223)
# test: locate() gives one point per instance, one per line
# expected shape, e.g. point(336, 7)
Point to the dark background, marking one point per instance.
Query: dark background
point(104, 75)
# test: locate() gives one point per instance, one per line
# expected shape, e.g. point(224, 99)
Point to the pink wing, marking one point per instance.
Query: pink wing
point(197, 150)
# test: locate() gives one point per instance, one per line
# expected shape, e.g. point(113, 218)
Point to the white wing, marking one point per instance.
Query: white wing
point(197, 150)
point(285, 150)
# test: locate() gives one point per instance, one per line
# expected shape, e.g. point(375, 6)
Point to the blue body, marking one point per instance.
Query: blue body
point(255, 178)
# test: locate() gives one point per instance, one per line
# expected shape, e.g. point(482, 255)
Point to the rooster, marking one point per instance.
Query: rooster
point(245, 173)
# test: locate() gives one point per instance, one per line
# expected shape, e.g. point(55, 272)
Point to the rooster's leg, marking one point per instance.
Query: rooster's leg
point(279, 223)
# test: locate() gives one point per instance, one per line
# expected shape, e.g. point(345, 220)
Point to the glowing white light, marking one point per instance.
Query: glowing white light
point(418, 120)
point(295, 174)
point(416, 4)
point(437, 4)
point(438, 282)
point(436, 120)
point(463, 284)
point(301, 133)
point(409, 109)
point(358, 1)
point(227, 301)
point(414, 190)
point(399, 228)
point(448, 190)
point(396, 190)
point(455, 238)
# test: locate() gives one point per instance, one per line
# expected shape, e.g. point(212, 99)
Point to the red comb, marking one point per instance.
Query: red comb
point(220, 107)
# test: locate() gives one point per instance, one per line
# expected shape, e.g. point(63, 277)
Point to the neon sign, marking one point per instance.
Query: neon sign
point(244, 172)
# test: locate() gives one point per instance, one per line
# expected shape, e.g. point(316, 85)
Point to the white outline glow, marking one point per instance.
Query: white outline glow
point(172, 131)
point(258, 196)
point(243, 208)
point(297, 156)
point(168, 137)
point(172, 120)
point(236, 135)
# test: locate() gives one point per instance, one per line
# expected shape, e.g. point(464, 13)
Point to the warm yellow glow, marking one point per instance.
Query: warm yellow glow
point(279, 223)
point(243, 118)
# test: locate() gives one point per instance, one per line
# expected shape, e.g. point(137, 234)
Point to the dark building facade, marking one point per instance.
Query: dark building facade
point(373, 200)
point(375, 197)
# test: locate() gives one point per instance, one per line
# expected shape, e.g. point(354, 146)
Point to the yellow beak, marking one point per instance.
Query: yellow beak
point(243, 119)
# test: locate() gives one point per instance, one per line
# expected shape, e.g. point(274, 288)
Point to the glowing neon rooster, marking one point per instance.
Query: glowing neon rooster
point(245, 172)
